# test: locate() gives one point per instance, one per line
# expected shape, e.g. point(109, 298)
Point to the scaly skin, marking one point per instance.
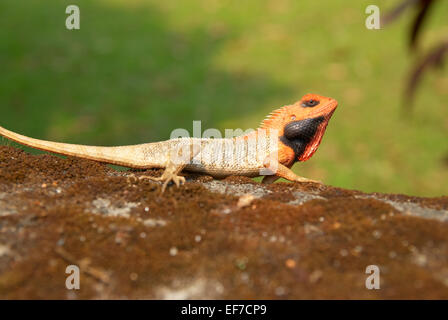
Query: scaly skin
point(289, 134)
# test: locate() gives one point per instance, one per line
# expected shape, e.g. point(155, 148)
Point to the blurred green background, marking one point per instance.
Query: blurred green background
point(138, 69)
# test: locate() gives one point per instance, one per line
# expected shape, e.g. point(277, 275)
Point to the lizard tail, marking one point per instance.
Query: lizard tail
point(129, 156)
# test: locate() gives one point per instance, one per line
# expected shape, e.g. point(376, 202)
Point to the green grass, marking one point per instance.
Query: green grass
point(138, 69)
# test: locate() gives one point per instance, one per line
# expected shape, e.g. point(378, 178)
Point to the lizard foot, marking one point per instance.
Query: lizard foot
point(166, 178)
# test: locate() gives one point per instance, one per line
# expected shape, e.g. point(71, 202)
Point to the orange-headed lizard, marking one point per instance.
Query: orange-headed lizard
point(289, 134)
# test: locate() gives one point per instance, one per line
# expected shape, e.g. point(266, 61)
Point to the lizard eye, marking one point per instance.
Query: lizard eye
point(293, 117)
point(310, 103)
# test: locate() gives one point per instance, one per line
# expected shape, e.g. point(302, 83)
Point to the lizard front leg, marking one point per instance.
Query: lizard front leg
point(283, 172)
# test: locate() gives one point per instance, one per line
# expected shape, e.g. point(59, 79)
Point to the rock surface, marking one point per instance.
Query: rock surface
point(209, 239)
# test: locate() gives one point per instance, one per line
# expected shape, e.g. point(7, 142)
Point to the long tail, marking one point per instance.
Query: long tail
point(129, 156)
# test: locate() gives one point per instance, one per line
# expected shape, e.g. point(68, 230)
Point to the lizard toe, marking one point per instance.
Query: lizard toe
point(150, 178)
point(178, 180)
point(301, 179)
point(164, 186)
point(131, 179)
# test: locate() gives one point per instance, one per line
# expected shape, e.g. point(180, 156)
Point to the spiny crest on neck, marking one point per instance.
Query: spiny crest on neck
point(273, 119)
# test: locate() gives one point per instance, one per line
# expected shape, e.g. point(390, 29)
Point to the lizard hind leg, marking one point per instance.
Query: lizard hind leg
point(170, 174)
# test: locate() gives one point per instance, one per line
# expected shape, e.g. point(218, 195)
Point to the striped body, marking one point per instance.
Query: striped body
point(216, 157)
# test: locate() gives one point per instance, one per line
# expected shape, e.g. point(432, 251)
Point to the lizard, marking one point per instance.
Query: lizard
point(288, 135)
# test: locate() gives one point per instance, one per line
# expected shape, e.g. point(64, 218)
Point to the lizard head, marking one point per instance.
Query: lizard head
point(302, 125)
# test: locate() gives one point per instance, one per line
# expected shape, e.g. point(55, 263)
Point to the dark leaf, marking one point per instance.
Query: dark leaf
point(395, 13)
point(419, 20)
point(433, 59)
point(445, 160)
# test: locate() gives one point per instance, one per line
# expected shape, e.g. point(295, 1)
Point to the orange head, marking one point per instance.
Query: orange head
point(302, 125)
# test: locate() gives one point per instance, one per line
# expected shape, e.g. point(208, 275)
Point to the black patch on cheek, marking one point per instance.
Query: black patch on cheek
point(298, 134)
